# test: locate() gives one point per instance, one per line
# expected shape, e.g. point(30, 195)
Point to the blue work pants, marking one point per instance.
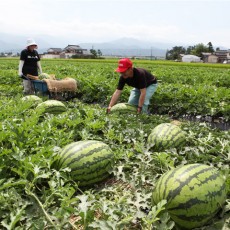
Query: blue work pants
point(135, 95)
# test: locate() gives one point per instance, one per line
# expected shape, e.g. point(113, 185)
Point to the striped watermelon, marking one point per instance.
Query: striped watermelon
point(166, 135)
point(123, 108)
point(90, 161)
point(194, 194)
point(51, 106)
point(46, 76)
point(32, 99)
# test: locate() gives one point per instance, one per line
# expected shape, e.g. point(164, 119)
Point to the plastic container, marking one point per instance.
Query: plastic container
point(40, 87)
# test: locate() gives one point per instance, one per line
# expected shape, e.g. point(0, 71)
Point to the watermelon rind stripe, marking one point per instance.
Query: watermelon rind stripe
point(93, 153)
point(190, 224)
point(95, 176)
point(70, 150)
point(183, 180)
point(64, 153)
point(161, 184)
point(172, 138)
point(177, 173)
point(162, 129)
point(166, 135)
point(193, 219)
point(170, 192)
point(163, 132)
point(90, 161)
point(101, 169)
point(196, 201)
point(98, 160)
point(175, 192)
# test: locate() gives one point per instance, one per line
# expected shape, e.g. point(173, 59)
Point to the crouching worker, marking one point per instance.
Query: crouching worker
point(144, 83)
point(29, 64)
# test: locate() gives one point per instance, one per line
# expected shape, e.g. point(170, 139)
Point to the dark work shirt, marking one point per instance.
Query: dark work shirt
point(141, 79)
point(30, 62)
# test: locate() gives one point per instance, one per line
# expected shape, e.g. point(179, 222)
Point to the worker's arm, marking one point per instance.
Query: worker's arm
point(114, 99)
point(141, 100)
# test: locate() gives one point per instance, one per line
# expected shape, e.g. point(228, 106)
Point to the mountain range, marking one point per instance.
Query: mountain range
point(130, 47)
point(120, 47)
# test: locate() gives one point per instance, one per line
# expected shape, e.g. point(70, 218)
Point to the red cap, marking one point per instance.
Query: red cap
point(123, 65)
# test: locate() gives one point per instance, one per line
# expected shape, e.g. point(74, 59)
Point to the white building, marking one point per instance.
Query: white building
point(190, 58)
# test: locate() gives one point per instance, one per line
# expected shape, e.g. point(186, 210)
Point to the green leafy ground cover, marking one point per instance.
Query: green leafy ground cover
point(184, 88)
point(33, 195)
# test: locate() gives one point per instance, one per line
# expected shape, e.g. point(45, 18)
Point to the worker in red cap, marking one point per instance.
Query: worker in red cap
point(144, 83)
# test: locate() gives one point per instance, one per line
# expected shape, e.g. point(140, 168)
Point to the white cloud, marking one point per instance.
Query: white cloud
point(90, 20)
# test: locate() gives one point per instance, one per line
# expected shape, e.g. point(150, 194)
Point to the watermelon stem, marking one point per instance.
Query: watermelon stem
point(41, 206)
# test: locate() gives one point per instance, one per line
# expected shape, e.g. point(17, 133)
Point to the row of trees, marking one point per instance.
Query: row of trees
point(175, 52)
point(96, 53)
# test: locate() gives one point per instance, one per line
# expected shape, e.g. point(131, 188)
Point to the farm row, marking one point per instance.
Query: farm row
point(184, 89)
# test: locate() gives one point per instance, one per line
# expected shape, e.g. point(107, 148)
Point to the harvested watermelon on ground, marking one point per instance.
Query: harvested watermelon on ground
point(51, 106)
point(90, 161)
point(32, 99)
point(123, 108)
point(166, 135)
point(46, 76)
point(194, 194)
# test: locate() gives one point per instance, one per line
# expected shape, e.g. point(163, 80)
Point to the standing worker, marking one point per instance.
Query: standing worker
point(144, 83)
point(29, 64)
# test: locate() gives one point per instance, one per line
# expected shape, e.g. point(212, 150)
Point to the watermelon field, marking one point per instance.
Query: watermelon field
point(129, 179)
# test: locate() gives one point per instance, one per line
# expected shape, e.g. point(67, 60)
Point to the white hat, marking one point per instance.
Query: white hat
point(31, 42)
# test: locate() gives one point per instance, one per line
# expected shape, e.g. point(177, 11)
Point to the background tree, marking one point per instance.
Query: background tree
point(199, 49)
point(99, 53)
point(210, 47)
point(93, 52)
point(189, 49)
point(174, 53)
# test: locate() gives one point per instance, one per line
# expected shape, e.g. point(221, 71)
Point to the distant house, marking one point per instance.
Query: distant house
point(54, 50)
point(68, 52)
point(219, 56)
point(209, 57)
point(213, 58)
point(222, 55)
point(52, 53)
point(76, 51)
point(71, 50)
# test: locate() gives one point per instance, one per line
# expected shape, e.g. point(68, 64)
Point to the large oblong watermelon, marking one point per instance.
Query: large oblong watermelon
point(166, 135)
point(90, 161)
point(51, 106)
point(123, 108)
point(194, 194)
point(33, 100)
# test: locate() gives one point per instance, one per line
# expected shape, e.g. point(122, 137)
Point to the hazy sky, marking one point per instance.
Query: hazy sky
point(184, 21)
